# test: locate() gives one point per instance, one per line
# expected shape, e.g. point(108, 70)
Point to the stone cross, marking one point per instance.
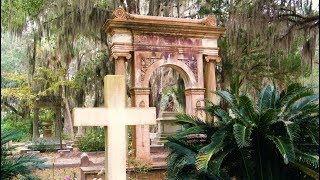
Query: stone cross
point(114, 117)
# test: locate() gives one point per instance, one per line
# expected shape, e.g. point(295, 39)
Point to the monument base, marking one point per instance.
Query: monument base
point(166, 126)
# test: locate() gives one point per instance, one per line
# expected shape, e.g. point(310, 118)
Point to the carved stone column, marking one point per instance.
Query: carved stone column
point(140, 134)
point(194, 101)
point(210, 77)
point(120, 62)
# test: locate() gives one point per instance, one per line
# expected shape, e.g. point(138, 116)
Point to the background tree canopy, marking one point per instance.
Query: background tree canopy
point(59, 48)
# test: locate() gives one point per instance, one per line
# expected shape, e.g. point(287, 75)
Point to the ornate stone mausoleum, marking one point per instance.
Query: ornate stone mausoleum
point(146, 43)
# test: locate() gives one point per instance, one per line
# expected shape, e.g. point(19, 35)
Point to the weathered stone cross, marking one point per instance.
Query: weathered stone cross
point(114, 117)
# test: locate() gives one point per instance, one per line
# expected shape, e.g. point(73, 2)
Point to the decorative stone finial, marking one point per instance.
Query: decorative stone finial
point(210, 21)
point(119, 13)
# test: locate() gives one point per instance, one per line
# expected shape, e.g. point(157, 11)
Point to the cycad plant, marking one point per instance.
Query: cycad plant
point(276, 137)
point(14, 165)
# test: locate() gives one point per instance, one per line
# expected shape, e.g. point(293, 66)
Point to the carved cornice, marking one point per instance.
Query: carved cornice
point(206, 27)
point(194, 91)
point(212, 58)
point(116, 55)
point(140, 91)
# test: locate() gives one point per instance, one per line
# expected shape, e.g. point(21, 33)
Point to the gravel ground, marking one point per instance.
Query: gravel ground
point(67, 165)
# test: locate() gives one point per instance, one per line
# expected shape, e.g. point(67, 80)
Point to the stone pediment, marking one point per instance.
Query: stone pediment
point(204, 28)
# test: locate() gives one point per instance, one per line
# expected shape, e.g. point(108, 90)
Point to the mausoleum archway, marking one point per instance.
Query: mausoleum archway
point(187, 45)
point(185, 72)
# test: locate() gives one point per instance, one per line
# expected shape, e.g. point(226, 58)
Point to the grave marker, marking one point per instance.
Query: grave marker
point(114, 117)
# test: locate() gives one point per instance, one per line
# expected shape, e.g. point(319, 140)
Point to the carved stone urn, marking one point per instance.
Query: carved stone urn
point(47, 132)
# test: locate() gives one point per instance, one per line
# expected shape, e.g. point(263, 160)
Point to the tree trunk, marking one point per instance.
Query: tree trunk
point(68, 127)
point(151, 8)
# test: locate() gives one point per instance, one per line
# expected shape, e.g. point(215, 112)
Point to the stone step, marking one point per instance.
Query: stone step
point(33, 152)
point(24, 150)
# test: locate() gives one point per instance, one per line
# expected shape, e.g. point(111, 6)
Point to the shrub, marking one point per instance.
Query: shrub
point(11, 122)
point(12, 166)
point(93, 140)
point(44, 145)
point(273, 138)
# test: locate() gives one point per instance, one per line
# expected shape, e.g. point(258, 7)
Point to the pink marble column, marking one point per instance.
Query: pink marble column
point(210, 78)
point(140, 133)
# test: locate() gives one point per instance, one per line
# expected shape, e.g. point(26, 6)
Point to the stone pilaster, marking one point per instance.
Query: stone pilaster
point(210, 77)
point(140, 133)
point(195, 97)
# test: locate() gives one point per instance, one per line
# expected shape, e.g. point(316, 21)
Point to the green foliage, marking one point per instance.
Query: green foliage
point(14, 13)
point(93, 140)
point(13, 123)
point(278, 137)
point(47, 81)
point(13, 54)
point(44, 145)
point(12, 166)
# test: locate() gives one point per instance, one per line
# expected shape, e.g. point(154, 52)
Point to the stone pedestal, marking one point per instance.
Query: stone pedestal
point(166, 126)
point(47, 132)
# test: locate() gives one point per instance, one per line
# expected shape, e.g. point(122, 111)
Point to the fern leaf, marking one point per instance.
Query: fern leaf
point(264, 99)
point(293, 130)
point(205, 154)
point(242, 134)
point(285, 147)
point(307, 158)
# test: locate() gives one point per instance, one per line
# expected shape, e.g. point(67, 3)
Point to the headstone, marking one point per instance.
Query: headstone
point(166, 126)
point(84, 160)
point(114, 117)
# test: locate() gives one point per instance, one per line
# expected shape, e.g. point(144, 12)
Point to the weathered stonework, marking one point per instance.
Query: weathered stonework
point(152, 42)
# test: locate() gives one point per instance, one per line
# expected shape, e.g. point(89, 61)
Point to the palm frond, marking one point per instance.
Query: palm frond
point(294, 97)
point(232, 102)
point(178, 146)
point(9, 136)
point(285, 147)
point(311, 159)
point(246, 108)
point(300, 104)
point(289, 90)
point(267, 118)
point(192, 130)
point(242, 134)
point(188, 121)
point(205, 153)
point(223, 117)
point(293, 131)
point(310, 172)
point(215, 164)
point(265, 98)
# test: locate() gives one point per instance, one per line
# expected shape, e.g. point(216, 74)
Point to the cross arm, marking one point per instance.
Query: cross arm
point(109, 116)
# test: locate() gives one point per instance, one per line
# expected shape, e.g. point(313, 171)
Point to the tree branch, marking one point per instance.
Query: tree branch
point(13, 109)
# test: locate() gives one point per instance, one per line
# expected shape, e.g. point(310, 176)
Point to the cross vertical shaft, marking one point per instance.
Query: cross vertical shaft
point(114, 117)
point(115, 136)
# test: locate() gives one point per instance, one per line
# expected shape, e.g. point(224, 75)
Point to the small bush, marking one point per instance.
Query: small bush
point(13, 123)
point(43, 145)
point(93, 140)
point(18, 165)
